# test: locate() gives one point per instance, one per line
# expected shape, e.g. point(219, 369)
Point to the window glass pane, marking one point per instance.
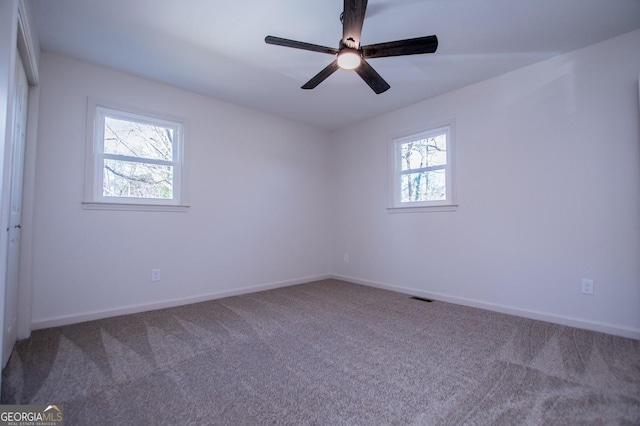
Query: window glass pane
point(423, 186)
point(424, 153)
point(137, 180)
point(124, 137)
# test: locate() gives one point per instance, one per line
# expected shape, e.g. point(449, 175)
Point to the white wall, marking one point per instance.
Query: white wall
point(548, 172)
point(259, 194)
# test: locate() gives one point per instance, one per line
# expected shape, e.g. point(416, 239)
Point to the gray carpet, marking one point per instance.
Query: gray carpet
point(327, 352)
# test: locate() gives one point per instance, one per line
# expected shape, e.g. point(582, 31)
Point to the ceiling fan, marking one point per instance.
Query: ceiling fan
point(351, 56)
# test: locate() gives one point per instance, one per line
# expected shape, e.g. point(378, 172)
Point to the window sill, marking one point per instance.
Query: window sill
point(134, 207)
point(423, 209)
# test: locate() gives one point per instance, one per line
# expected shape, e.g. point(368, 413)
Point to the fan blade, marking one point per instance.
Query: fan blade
point(322, 75)
point(372, 78)
point(352, 20)
point(412, 46)
point(299, 45)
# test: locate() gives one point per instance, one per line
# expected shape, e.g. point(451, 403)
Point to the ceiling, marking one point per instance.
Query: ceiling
point(217, 47)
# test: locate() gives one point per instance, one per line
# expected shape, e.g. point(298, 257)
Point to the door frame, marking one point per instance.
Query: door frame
point(28, 49)
point(19, 39)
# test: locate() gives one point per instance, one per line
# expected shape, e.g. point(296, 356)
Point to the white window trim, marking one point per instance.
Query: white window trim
point(395, 169)
point(93, 198)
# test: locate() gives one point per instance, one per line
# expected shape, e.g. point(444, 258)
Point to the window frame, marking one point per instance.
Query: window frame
point(396, 172)
point(94, 199)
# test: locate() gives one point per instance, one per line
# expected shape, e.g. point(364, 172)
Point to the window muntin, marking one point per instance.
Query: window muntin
point(136, 159)
point(422, 169)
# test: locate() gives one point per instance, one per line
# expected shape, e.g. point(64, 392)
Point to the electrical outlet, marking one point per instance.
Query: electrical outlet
point(155, 275)
point(587, 286)
point(346, 258)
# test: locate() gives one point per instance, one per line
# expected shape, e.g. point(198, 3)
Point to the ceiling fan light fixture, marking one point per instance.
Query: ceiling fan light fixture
point(350, 55)
point(349, 59)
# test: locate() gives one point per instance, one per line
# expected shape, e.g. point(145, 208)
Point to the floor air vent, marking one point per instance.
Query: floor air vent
point(422, 299)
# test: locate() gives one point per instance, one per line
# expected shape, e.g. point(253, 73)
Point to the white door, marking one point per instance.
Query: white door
point(15, 205)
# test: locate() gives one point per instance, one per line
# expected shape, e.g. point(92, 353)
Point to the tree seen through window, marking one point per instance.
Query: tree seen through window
point(423, 165)
point(137, 166)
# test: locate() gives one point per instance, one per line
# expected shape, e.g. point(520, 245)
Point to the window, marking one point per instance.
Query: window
point(422, 171)
point(134, 160)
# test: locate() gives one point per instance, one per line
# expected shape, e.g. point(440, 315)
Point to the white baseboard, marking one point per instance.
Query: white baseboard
point(134, 309)
point(629, 332)
point(632, 333)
